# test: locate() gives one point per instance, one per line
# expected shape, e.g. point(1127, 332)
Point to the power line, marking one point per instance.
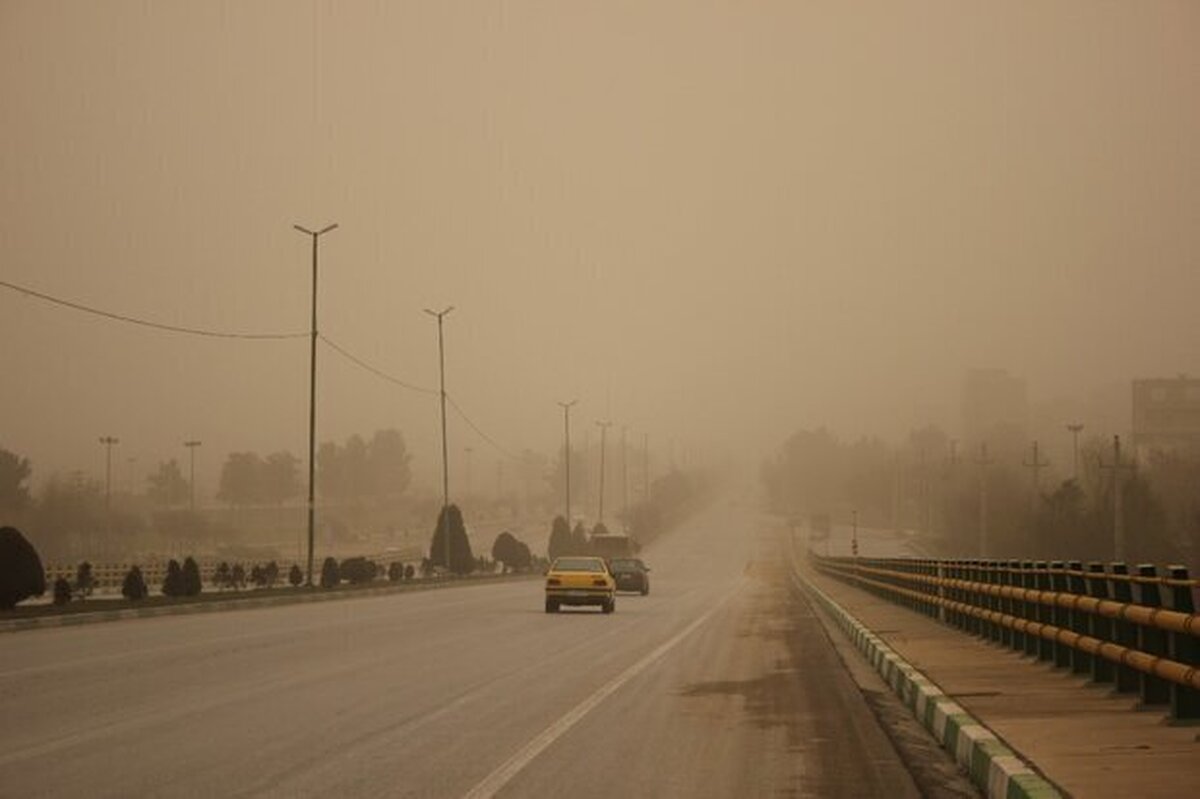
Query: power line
point(506, 453)
point(373, 370)
point(192, 331)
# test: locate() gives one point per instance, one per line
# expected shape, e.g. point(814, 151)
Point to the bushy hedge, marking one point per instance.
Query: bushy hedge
point(21, 572)
point(134, 585)
point(330, 577)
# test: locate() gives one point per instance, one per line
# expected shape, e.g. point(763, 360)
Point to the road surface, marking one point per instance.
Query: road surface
point(719, 683)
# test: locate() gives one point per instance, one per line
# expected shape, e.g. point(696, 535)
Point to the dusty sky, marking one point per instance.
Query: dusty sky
point(711, 221)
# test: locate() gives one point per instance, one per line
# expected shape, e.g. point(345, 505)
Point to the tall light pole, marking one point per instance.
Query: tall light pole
point(603, 425)
point(983, 462)
point(566, 406)
point(1118, 514)
point(191, 445)
point(1036, 465)
point(646, 468)
point(467, 493)
point(1076, 428)
point(312, 394)
point(624, 477)
point(440, 315)
point(108, 442)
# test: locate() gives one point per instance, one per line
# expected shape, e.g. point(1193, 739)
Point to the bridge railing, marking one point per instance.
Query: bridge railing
point(1138, 631)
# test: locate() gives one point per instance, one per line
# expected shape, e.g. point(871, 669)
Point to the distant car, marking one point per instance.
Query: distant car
point(580, 581)
point(630, 574)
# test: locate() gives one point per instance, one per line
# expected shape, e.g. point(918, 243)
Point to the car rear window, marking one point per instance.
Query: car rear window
point(578, 565)
point(626, 564)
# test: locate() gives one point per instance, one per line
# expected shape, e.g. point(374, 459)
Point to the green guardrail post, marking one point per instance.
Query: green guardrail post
point(1153, 690)
point(1045, 613)
point(1183, 648)
point(1081, 662)
point(1124, 632)
point(1029, 583)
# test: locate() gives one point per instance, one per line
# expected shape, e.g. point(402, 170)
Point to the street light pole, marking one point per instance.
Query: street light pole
point(312, 394)
point(604, 425)
point(1076, 429)
point(566, 406)
point(191, 445)
point(440, 315)
point(108, 442)
point(624, 477)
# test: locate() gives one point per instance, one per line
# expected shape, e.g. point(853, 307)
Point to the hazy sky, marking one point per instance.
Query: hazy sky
point(707, 220)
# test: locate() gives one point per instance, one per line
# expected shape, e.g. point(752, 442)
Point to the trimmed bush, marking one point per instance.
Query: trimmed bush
point(409, 572)
point(358, 571)
point(62, 591)
point(134, 585)
point(329, 573)
point(395, 572)
point(21, 572)
point(191, 578)
point(450, 522)
point(173, 582)
point(295, 576)
point(85, 583)
point(560, 538)
point(237, 577)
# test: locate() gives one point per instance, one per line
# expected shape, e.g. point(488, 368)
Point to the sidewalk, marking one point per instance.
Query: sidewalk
point(1086, 740)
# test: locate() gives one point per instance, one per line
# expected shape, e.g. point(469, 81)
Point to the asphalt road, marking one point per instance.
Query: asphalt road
point(719, 683)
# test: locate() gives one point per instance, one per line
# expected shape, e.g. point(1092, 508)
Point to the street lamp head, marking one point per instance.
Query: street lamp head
point(440, 314)
point(304, 230)
point(327, 228)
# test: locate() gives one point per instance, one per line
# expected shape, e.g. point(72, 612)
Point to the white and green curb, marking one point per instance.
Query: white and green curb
point(995, 768)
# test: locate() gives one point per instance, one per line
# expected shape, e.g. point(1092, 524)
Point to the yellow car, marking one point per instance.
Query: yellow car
point(580, 581)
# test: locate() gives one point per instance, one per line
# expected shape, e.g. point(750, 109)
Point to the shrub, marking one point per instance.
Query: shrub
point(271, 573)
point(21, 573)
point(222, 577)
point(62, 591)
point(295, 576)
point(395, 572)
point(357, 571)
point(409, 572)
point(560, 538)
point(237, 576)
point(450, 523)
point(173, 582)
point(85, 583)
point(190, 579)
point(329, 573)
point(134, 585)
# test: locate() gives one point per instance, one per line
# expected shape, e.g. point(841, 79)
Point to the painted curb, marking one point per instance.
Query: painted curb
point(77, 619)
point(993, 767)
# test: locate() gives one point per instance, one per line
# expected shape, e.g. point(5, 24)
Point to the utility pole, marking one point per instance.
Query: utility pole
point(440, 315)
point(566, 406)
point(646, 467)
point(1036, 465)
point(983, 462)
point(130, 463)
point(467, 494)
point(603, 425)
point(624, 477)
point(1118, 514)
point(312, 393)
point(499, 479)
point(1076, 428)
point(191, 445)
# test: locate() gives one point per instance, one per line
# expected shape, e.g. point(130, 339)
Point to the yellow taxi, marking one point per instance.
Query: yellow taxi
point(579, 580)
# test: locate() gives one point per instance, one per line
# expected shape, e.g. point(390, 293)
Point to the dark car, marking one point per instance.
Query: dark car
point(631, 575)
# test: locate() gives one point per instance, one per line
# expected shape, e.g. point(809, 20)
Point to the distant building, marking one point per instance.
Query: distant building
point(995, 409)
point(1166, 416)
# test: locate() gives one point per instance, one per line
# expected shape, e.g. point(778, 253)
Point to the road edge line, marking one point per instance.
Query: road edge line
point(993, 766)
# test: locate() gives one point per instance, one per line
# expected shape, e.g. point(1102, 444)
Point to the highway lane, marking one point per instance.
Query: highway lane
point(719, 683)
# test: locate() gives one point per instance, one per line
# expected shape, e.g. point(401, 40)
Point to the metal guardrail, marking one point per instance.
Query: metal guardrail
point(1139, 632)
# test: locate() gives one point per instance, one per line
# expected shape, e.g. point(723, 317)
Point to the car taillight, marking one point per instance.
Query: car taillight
point(602, 583)
point(554, 581)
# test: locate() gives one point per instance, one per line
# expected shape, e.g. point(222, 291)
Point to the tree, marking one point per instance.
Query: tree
point(505, 550)
point(167, 486)
point(329, 573)
point(560, 538)
point(85, 583)
point(579, 540)
point(62, 591)
point(222, 576)
point(190, 577)
point(241, 479)
point(599, 529)
point(237, 577)
point(450, 522)
point(173, 582)
point(409, 572)
point(279, 478)
point(395, 571)
point(134, 585)
point(388, 464)
point(295, 576)
point(524, 557)
point(21, 572)
point(14, 471)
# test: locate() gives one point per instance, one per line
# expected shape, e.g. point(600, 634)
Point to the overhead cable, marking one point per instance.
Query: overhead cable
point(191, 331)
point(481, 434)
point(377, 372)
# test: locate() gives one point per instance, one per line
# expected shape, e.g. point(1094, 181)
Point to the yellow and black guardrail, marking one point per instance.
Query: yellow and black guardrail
point(1139, 632)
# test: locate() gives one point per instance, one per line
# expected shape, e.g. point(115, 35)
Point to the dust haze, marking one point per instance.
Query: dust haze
point(712, 223)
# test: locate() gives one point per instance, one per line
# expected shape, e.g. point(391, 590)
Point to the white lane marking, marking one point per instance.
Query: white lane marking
point(492, 783)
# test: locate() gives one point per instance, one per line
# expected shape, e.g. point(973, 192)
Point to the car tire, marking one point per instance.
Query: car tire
point(609, 606)
point(551, 606)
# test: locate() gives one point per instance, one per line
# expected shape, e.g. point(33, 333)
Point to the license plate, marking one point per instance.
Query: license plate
point(577, 593)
